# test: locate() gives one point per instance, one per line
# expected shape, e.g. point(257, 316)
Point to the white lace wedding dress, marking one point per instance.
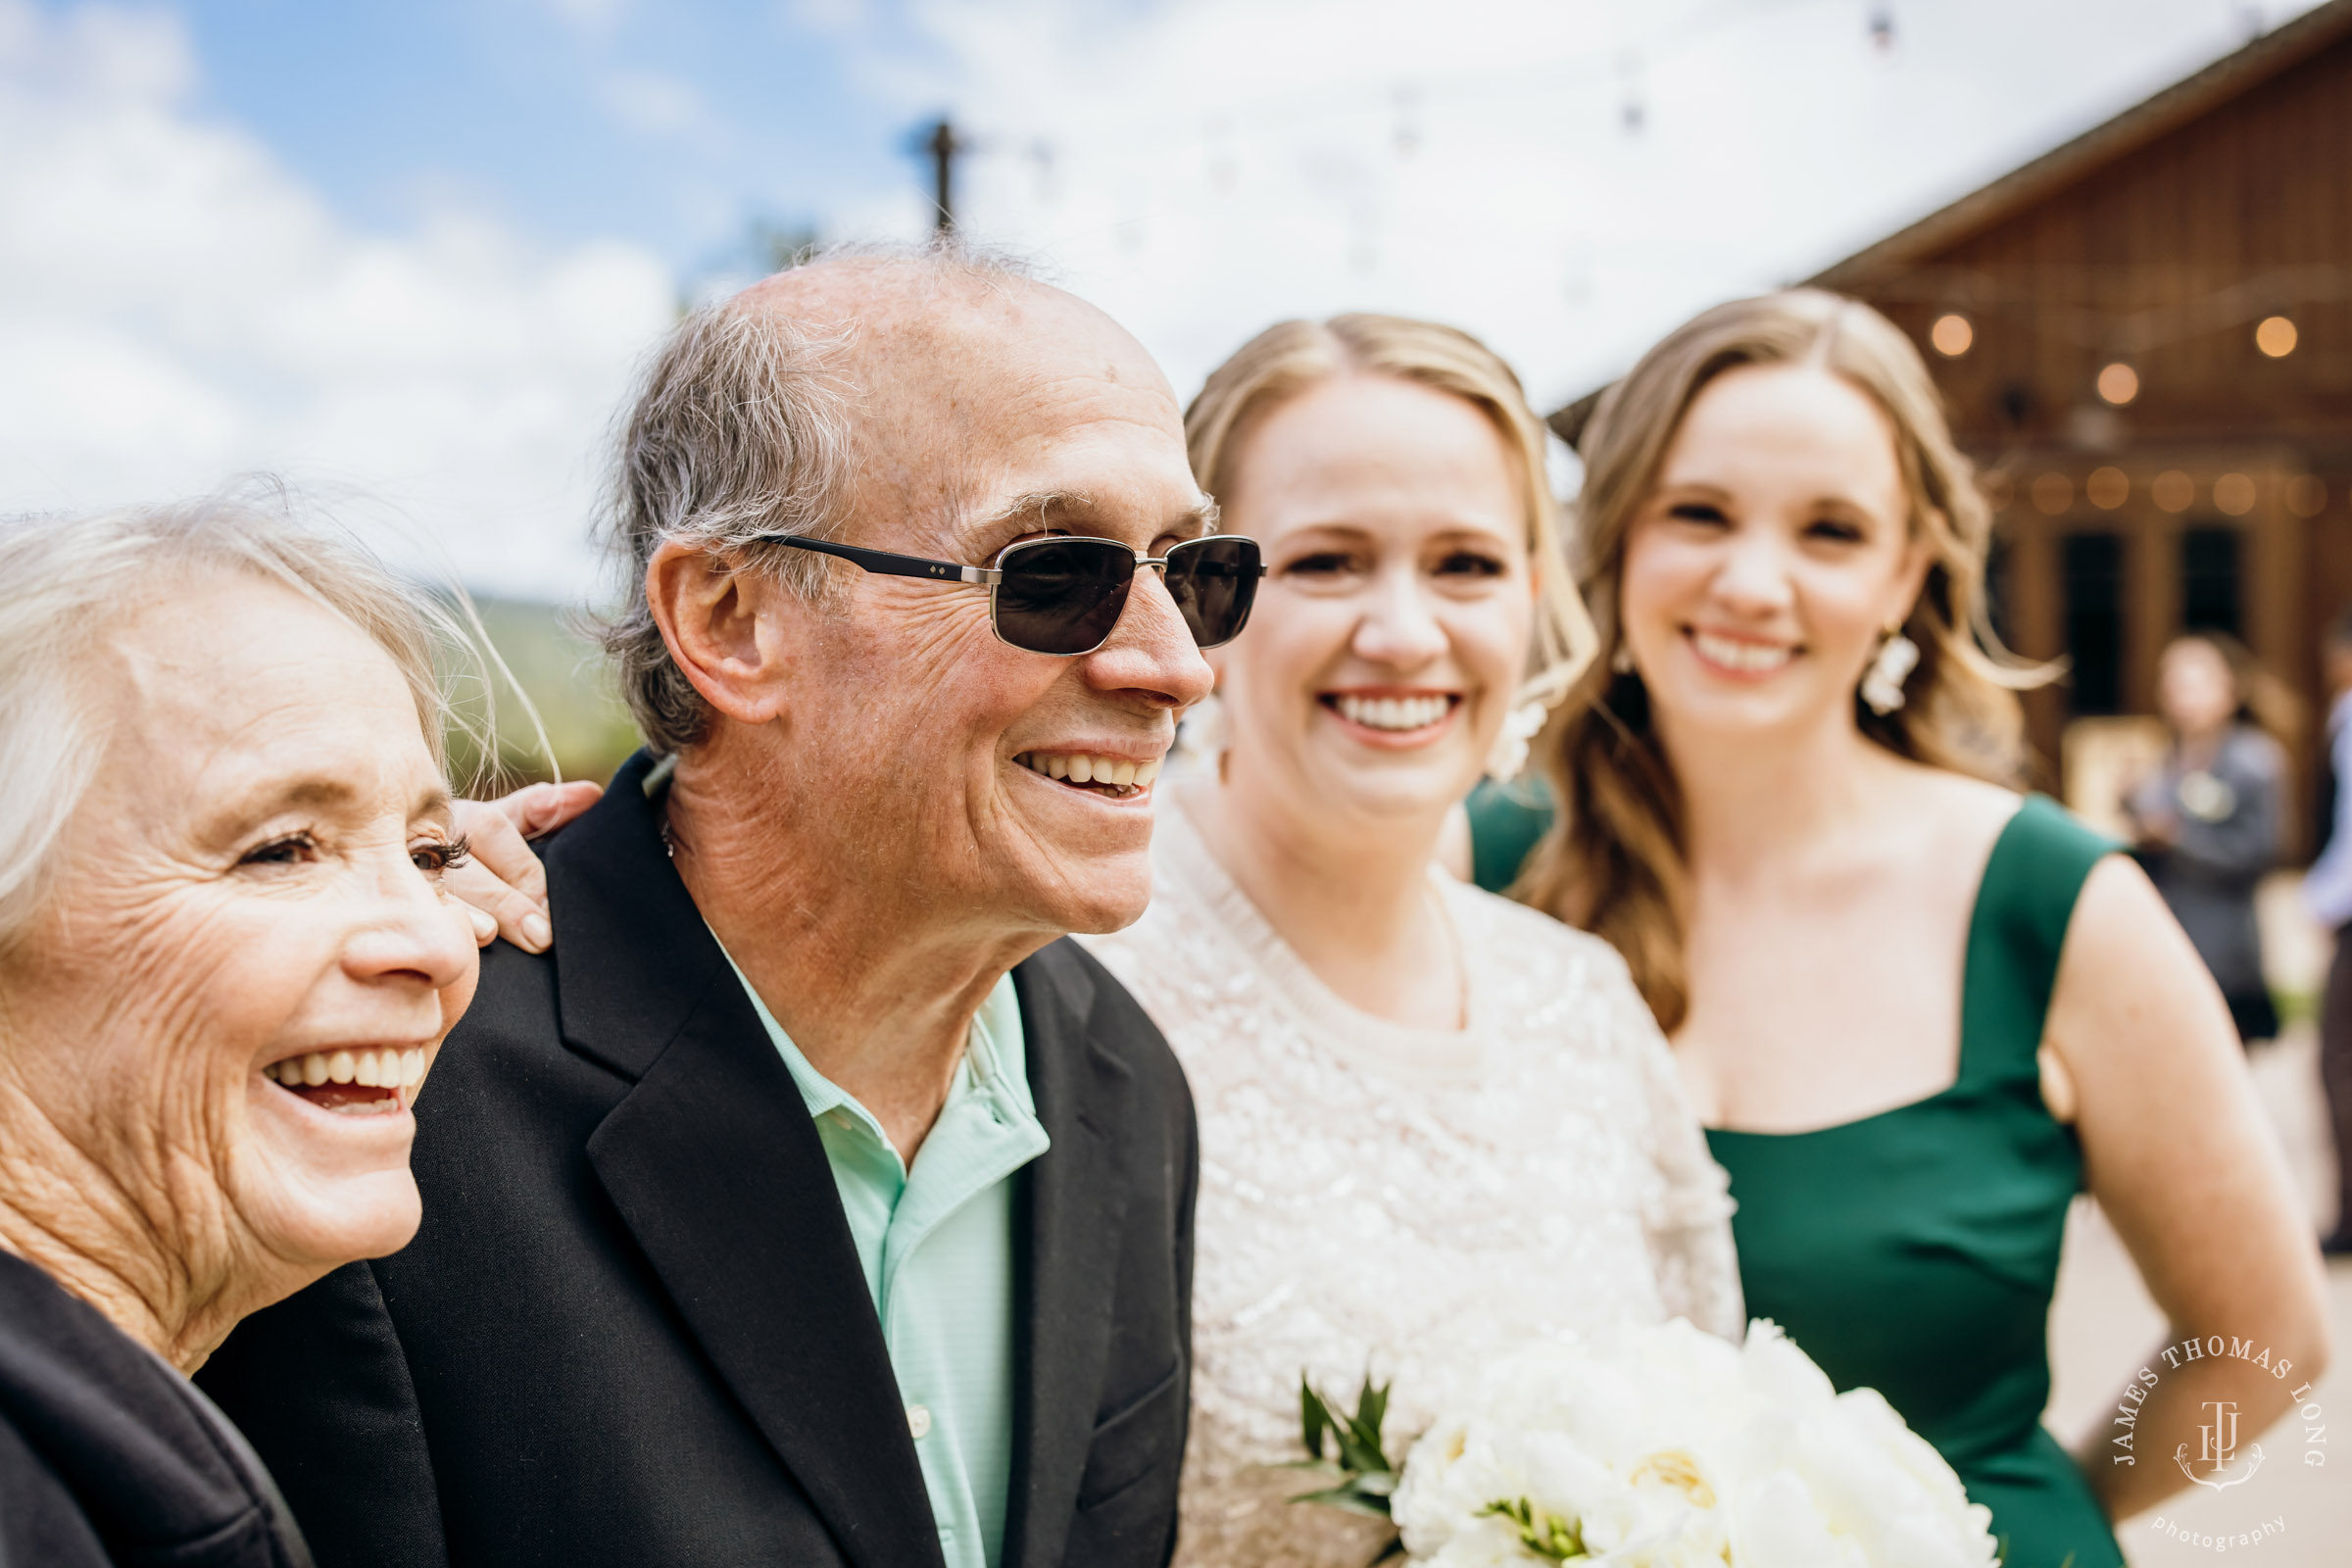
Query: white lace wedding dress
point(1415, 1202)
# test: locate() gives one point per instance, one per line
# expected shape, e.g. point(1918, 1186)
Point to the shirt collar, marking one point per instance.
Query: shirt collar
point(995, 1056)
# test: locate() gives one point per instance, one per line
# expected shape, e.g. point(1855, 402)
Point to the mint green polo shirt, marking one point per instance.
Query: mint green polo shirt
point(936, 1244)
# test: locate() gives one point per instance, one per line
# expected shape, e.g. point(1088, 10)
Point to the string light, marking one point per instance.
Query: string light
point(1952, 334)
point(2119, 383)
point(2276, 336)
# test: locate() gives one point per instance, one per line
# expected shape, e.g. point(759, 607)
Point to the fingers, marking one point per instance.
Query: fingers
point(545, 808)
point(498, 908)
point(502, 879)
point(504, 882)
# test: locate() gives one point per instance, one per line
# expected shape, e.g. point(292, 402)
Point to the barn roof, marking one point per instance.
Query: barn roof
point(1982, 209)
point(2143, 123)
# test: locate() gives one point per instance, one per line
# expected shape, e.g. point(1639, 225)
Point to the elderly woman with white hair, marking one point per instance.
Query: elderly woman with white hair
point(226, 960)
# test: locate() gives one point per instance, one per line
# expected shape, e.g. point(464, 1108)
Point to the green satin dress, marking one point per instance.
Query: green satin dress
point(1916, 1250)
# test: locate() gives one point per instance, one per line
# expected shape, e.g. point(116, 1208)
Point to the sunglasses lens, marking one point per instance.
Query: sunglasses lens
point(1214, 582)
point(1063, 596)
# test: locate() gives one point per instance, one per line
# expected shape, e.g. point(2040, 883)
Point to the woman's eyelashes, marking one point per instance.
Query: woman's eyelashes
point(1453, 564)
point(1704, 513)
point(437, 857)
point(1831, 528)
point(1836, 530)
point(1324, 564)
point(287, 849)
point(1471, 563)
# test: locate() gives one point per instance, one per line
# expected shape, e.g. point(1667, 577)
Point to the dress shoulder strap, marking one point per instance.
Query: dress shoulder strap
point(2024, 905)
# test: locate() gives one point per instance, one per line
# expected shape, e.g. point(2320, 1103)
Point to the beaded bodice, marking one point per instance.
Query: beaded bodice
point(1410, 1201)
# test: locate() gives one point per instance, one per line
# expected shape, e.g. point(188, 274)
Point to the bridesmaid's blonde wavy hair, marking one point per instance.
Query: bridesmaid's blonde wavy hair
point(1614, 862)
point(1289, 356)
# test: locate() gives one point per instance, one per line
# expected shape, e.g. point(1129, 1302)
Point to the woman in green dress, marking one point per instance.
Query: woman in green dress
point(1918, 1009)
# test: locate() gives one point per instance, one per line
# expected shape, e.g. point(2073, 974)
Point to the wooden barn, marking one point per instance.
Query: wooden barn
point(2145, 339)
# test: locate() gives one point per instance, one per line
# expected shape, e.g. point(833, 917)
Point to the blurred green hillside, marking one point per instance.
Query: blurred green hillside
point(588, 729)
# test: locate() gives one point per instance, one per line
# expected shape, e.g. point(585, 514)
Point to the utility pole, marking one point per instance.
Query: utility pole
point(943, 144)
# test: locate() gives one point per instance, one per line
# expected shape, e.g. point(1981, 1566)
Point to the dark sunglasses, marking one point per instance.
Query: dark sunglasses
point(1062, 595)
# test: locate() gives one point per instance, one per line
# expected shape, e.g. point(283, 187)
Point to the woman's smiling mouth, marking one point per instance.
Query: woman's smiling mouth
point(352, 1082)
point(1398, 713)
point(1739, 656)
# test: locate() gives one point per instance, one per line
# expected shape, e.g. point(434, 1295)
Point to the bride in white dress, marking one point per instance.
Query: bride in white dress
point(1434, 1124)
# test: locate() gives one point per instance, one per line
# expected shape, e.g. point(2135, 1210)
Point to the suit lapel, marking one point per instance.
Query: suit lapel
point(1073, 1203)
point(717, 1170)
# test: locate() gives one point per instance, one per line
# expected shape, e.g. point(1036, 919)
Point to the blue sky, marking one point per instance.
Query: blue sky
point(410, 255)
point(673, 126)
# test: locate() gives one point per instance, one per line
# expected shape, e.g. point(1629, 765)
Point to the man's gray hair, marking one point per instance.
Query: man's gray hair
point(66, 579)
point(741, 426)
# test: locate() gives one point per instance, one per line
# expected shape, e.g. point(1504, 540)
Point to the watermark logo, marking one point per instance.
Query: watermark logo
point(2217, 1460)
point(2219, 1450)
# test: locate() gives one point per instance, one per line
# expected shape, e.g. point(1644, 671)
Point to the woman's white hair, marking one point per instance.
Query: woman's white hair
point(64, 580)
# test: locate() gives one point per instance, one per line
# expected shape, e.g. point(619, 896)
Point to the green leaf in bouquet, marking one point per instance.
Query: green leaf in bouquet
point(1314, 1419)
point(1546, 1535)
point(1348, 1498)
point(1362, 1476)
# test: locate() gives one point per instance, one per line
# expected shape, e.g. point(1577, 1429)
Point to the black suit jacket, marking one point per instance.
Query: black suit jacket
point(633, 1330)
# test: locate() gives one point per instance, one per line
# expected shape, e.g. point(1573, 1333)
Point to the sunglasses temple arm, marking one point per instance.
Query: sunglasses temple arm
point(887, 563)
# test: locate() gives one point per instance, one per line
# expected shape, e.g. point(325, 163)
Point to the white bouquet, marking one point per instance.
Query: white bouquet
point(1668, 1448)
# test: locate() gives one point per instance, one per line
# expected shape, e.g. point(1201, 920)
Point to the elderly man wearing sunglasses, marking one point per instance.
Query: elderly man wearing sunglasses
point(808, 1200)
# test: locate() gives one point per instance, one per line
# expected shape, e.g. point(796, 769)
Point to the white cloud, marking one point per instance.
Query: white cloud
point(175, 307)
point(1204, 168)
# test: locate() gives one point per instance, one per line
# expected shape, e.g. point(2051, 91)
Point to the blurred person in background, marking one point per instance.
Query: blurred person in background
point(2328, 895)
point(803, 1199)
point(1919, 1010)
point(226, 960)
point(2210, 818)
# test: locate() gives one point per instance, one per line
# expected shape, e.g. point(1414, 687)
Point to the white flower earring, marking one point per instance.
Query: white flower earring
point(1525, 721)
point(1883, 681)
point(1521, 725)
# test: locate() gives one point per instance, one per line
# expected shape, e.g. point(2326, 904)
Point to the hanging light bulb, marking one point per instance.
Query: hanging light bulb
point(1881, 27)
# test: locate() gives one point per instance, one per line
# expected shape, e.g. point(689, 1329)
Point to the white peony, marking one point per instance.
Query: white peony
point(1666, 1448)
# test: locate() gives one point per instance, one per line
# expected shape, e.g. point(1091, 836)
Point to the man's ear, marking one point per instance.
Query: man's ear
point(732, 632)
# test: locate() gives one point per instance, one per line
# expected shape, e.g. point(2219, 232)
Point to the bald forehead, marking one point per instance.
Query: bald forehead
point(952, 372)
point(901, 319)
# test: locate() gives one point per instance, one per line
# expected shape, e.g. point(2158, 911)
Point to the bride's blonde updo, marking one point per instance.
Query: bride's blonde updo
point(1289, 356)
point(1613, 862)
